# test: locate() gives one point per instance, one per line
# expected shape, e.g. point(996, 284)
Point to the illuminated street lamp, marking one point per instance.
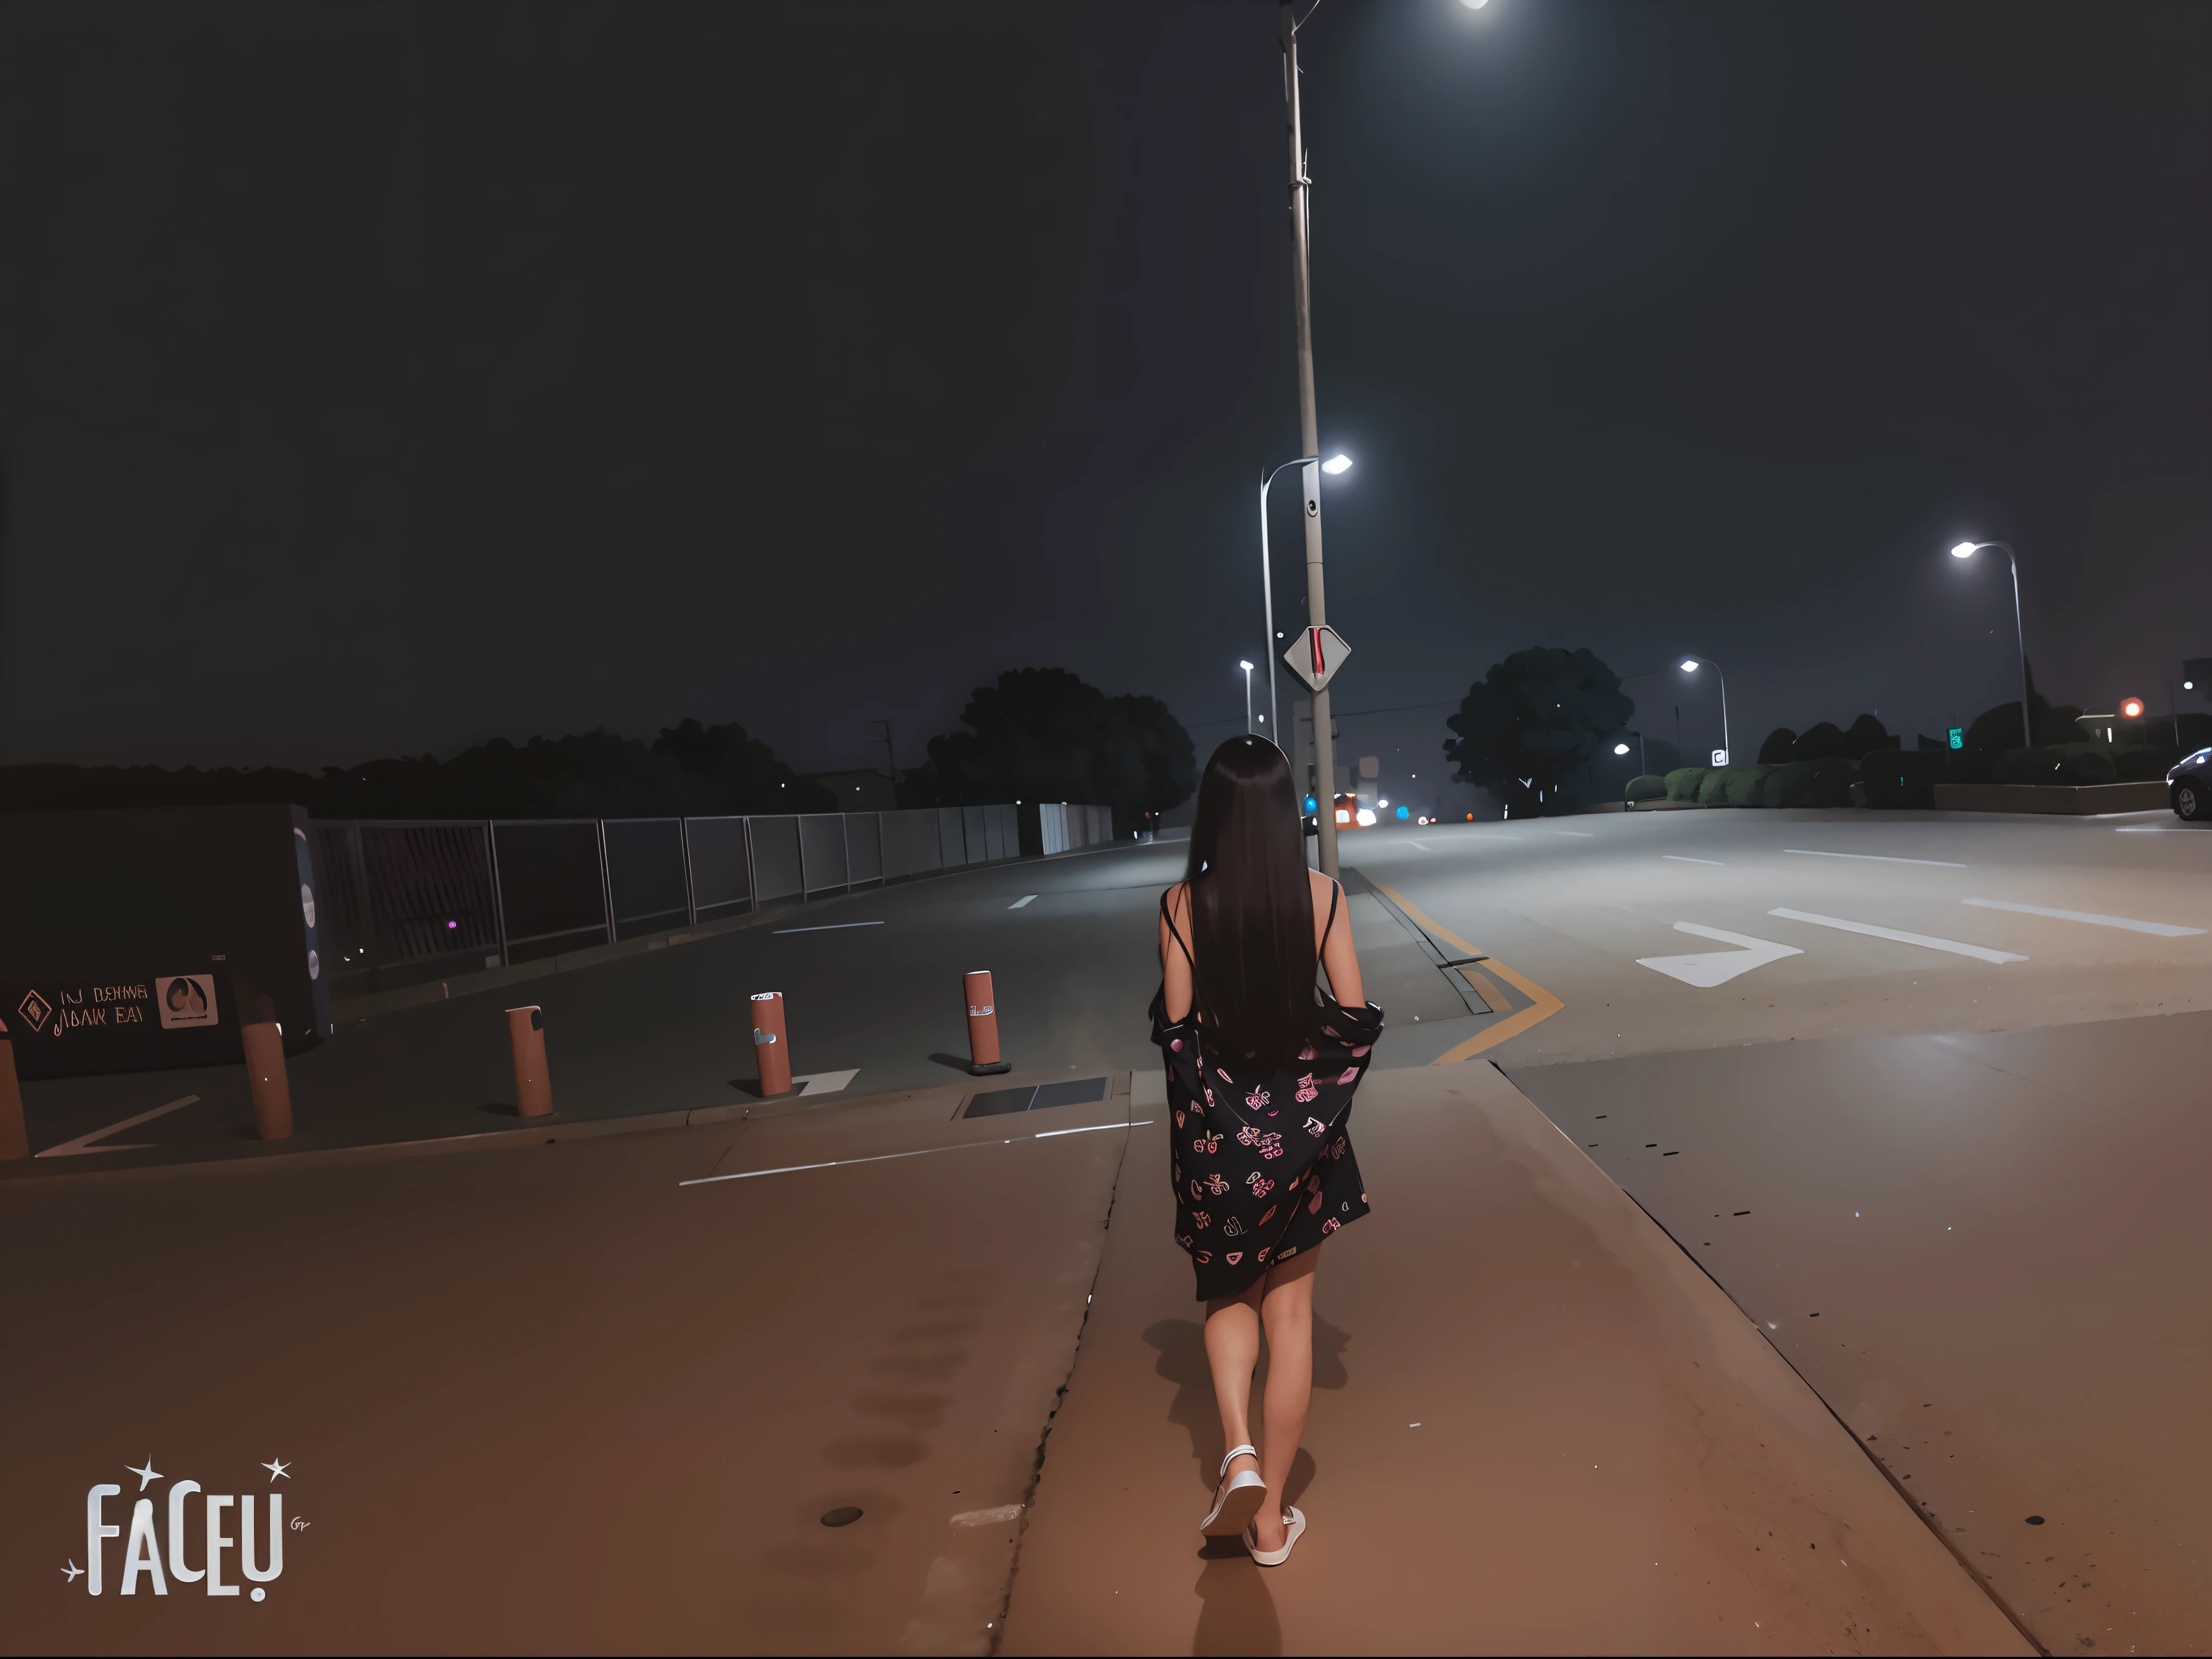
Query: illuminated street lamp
point(1690, 665)
point(1967, 550)
point(1336, 466)
point(1246, 667)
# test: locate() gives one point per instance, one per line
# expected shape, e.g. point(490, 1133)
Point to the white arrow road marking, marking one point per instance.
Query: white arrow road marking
point(1712, 967)
point(1018, 902)
point(1981, 953)
point(1682, 858)
point(824, 1082)
point(82, 1144)
point(2164, 930)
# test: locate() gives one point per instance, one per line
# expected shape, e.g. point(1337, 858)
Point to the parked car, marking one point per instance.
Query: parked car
point(2190, 786)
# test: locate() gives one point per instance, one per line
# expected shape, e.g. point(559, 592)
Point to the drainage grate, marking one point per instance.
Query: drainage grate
point(1076, 1091)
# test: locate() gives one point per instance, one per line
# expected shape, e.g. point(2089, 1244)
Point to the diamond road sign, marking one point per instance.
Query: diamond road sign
point(1316, 654)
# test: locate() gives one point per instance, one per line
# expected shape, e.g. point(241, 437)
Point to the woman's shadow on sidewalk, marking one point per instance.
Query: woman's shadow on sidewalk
point(1238, 1614)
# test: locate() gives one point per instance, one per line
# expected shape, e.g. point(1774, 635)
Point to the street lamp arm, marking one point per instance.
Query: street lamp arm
point(2019, 628)
point(1267, 598)
point(1707, 662)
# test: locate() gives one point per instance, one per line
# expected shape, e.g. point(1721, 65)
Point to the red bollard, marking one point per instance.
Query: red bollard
point(533, 1079)
point(982, 1025)
point(266, 1079)
point(771, 1050)
point(14, 1139)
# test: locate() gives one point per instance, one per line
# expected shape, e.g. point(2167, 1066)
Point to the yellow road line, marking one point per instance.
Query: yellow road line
point(1544, 1004)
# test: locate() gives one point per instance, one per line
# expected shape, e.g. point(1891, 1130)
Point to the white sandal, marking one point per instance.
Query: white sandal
point(1237, 1500)
point(1292, 1531)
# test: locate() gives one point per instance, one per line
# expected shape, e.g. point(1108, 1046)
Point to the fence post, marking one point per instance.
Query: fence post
point(752, 870)
point(690, 893)
point(606, 881)
point(498, 899)
point(14, 1137)
point(771, 1048)
point(266, 1079)
point(533, 1079)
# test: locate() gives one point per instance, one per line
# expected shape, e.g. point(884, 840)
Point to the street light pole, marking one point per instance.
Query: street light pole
point(1967, 550)
point(1308, 432)
point(1246, 667)
point(1267, 598)
point(1690, 665)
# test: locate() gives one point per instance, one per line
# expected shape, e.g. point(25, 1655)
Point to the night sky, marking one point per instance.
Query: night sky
point(382, 378)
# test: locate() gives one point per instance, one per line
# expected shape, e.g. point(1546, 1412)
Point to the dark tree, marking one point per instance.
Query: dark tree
point(1535, 717)
point(742, 772)
point(1780, 747)
point(1042, 734)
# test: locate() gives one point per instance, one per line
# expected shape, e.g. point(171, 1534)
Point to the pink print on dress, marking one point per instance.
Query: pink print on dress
point(1214, 1184)
point(1197, 1191)
point(1350, 1075)
point(1327, 1226)
point(1178, 1119)
point(1257, 1100)
point(1247, 1136)
point(1360, 1053)
point(1208, 1143)
point(1234, 1257)
point(1225, 1078)
point(1176, 1045)
point(1260, 1256)
point(1271, 1145)
point(1307, 1093)
point(1259, 1184)
point(1200, 1219)
point(1315, 1128)
point(1306, 1052)
point(1270, 1216)
point(1314, 1208)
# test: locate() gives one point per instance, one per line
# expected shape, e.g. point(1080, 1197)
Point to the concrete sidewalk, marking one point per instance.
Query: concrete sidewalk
point(1538, 1427)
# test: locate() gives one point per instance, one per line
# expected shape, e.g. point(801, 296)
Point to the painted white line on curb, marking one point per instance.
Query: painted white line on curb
point(1871, 858)
point(1583, 833)
point(1980, 952)
point(923, 1151)
point(2162, 829)
point(79, 1148)
point(998, 1516)
point(2164, 930)
point(1681, 859)
point(1026, 898)
point(829, 928)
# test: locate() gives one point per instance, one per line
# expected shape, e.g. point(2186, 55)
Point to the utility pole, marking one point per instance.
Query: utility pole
point(1308, 435)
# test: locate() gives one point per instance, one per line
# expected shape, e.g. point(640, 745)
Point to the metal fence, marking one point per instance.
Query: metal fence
point(412, 900)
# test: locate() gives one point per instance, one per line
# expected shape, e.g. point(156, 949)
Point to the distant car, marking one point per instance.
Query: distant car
point(2191, 786)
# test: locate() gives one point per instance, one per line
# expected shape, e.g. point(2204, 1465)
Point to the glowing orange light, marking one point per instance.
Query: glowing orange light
point(2132, 708)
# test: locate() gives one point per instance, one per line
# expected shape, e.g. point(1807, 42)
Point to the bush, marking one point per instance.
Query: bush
point(1896, 778)
point(1745, 784)
point(1789, 785)
point(2144, 762)
point(1682, 782)
point(1713, 788)
point(1780, 746)
point(2063, 764)
point(1832, 781)
point(1647, 788)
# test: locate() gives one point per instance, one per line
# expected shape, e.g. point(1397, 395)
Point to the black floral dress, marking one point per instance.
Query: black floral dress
point(1262, 1164)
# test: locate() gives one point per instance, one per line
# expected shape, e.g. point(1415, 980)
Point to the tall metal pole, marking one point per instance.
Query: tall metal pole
point(1247, 698)
point(2020, 637)
point(1308, 434)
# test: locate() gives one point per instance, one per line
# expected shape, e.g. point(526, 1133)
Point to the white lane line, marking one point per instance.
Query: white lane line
point(1871, 858)
point(1088, 1128)
point(1025, 899)
point(1423, 845)
point(2164, 930)
point(883, 1158)
point(2162, 829)
point(1583, 833)
point(80, 1146)
point(829, 928)
point(1980, 952)
point(1680, 858)
point(1713, 967)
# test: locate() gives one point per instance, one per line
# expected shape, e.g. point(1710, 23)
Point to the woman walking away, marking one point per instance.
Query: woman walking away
point(1262, 1067)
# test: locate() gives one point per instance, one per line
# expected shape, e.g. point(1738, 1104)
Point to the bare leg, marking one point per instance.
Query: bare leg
point(1232, 1350)
point(1286, 1310)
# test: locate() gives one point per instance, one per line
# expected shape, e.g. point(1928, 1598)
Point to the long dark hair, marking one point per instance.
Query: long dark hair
point(1251, 903)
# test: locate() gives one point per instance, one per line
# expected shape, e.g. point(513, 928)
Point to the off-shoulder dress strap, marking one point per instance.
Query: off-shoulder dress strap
point(1334, 890)
point(1168, 916)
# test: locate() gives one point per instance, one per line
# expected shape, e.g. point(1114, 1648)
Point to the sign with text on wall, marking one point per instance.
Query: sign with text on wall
point(1720, 758)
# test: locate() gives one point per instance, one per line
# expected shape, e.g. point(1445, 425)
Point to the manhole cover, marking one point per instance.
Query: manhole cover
point(844, 1515)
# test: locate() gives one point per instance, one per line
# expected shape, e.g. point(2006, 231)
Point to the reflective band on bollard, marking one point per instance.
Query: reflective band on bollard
point(15, 1139)
point(771, 1050)
point(533, 1079)
point(982, 1025)
point(265, 1080)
